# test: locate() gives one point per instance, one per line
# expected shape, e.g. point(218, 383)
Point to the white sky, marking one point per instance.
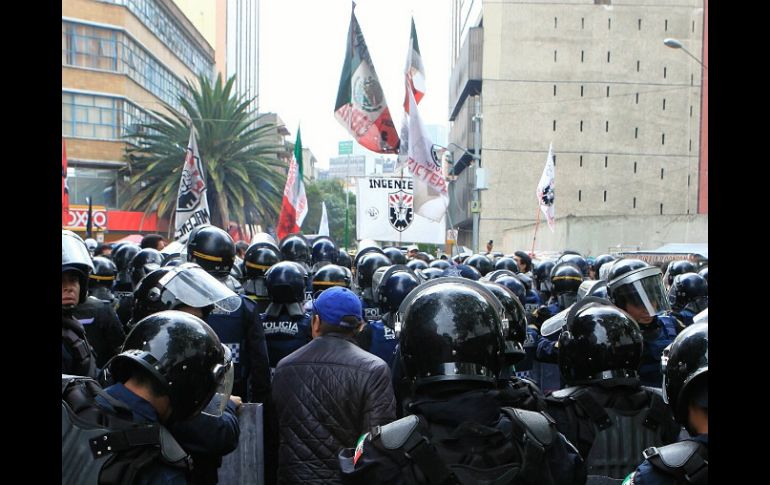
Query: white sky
point(302, 48)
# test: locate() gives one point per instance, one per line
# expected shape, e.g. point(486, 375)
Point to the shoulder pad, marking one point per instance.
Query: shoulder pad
point(675, 455)
point(565, 393)
point(171, 452)
point(537, 425)
point(394, 435)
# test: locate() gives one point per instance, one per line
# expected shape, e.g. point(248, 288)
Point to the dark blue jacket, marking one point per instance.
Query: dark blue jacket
point(379, 338)
point(103, 328)
point(242, 331)
point(545, 370)
point(284, 334)
point(143, 412)
point(657, 335)
point(524, 368)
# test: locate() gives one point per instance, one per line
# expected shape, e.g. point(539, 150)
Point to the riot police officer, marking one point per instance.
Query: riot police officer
point(685, 389)
point(331, 275)
point(323, 252)
point(481, 263)
point(395, 255)
point(144, 262)
point(688, 296)
point(100, 282)
point(507, 263)
point(123, 289)
point(595, 267)
point(460, 429)
point(678, 267)
point(637, 288)
point(260, 256)
point(76, 353)
point(380, 336)
point(214, 250)
point(295, 247)
point(605, 411)
point(285, 322)
point(365, 269)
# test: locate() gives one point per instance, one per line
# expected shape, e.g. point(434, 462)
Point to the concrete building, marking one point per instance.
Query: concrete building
point(622, 110)
point(120, 59)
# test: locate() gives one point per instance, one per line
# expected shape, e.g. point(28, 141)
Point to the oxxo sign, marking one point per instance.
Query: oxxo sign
point(78, 217)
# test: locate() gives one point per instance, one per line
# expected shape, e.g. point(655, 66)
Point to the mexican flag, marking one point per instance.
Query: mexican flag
point(361, 106)
point(415, 71)
point(294, 205)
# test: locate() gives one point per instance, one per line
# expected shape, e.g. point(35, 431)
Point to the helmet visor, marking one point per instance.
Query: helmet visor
point(645, 290)
point(698, 304)
point(555, 323)
point(194, 287)
point(224, 376)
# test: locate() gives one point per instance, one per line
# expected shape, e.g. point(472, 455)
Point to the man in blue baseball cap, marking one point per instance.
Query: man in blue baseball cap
point(328, 393)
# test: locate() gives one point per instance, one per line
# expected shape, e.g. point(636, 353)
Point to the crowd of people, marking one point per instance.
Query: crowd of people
point(383, 365)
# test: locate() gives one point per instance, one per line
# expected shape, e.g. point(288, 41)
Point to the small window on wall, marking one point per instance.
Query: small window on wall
point(636, 132)
point(554, 90)
point(606, 159)
point(97, 183)
point(580, 195)
point(581, 160)
point(581, 128)
point(581, 91)
point(637, 65)
point(634, 202)
point(661, 208)
point(554, 22)
point(554, 55)
point(634, 167)
point(554, 125)
point(605, 196)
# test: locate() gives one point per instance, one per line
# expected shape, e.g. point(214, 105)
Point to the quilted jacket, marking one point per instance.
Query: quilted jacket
point(326, 395)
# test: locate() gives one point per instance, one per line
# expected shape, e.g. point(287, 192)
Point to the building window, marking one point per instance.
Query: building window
point(609, 24)
point(662, 138)
point(582, 23)
point(581, 91)
point(580, 195)
point(554, 55)
point(581, 126)
point(693, 26)
point(634, 167)
point(636, 132)
point(605, 196)
point(88, 46)
point(661, 174)
point(554, 22)
point(637, 65)
point(608, 56)
point(98, 183)
point(666, 26)
point(99, 117)
point(582, 56)
point(661, 208)
point(639, 23)
point(634, 202)
point(581, 160)
point(692, 79)
point(606, 158)
point(688, 180)
point(664, 73)
point(690, 111)
point(637, 98)
point(689, 149)
point(554, 125)
point(608, 91)
point(606, 126)
point(554, 90)
point(664, 104)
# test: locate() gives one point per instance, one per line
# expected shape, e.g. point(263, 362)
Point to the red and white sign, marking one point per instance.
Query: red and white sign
point(78, 217)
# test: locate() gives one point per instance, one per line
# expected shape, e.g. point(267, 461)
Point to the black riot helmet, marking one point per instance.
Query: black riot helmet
point(598, 262)
point(213, 249)
point(498, 273)
point(634, 283)
point(295, 247)
point(481, 263)
point(566, 280)
point(526, 280)
point(705, 273)
point(686, 375)
point(395, 255)
point(344, 260)
point(364, 247)
point(430, 273)
point(507, 263)
point(576, 260)
point(122, 257)
point(324, 250)
point(104, 273)
point(75, 258)
point(417, 264)
point(186, 284)
point(689, 291)
point(451, 330)
point(542, 276)
point(678, 267)
point(330, 275)
point(598, 342)
point(515, 323)
point(286, 282)
point(366, 267)
point(396, 283)
point(515, 285)
point(184, 357)
point(144, 262)
point(258, 259)
point(441, 264)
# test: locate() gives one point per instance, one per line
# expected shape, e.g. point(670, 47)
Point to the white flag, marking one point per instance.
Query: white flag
point(192, 206)
point(545, 191)
point(431, 197)
point(415, 82)
point(323, 229)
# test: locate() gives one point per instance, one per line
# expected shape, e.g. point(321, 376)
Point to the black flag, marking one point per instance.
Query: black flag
point(89, 221)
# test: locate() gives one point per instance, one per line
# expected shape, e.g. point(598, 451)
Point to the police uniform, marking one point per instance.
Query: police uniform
point(658, 334)
point(678, 463)
point(379, 338)
point(242, 331)
point(102, 327)
point(284, 334)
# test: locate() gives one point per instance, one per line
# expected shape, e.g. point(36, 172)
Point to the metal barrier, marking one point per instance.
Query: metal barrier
point(246, 465)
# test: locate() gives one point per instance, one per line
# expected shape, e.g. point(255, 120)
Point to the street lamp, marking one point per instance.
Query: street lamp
point(675, 44)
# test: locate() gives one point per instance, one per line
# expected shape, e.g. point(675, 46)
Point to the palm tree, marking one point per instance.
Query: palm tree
point(243, 180)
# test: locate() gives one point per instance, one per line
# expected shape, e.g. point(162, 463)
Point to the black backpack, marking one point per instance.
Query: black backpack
point(105, 447)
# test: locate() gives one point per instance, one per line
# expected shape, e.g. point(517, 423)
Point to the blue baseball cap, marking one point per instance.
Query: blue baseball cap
point(336, 303)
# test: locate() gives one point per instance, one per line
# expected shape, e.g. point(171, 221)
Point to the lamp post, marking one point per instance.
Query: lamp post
point(675, 44)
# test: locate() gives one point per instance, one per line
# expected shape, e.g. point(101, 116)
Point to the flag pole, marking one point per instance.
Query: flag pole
point(534, 236)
